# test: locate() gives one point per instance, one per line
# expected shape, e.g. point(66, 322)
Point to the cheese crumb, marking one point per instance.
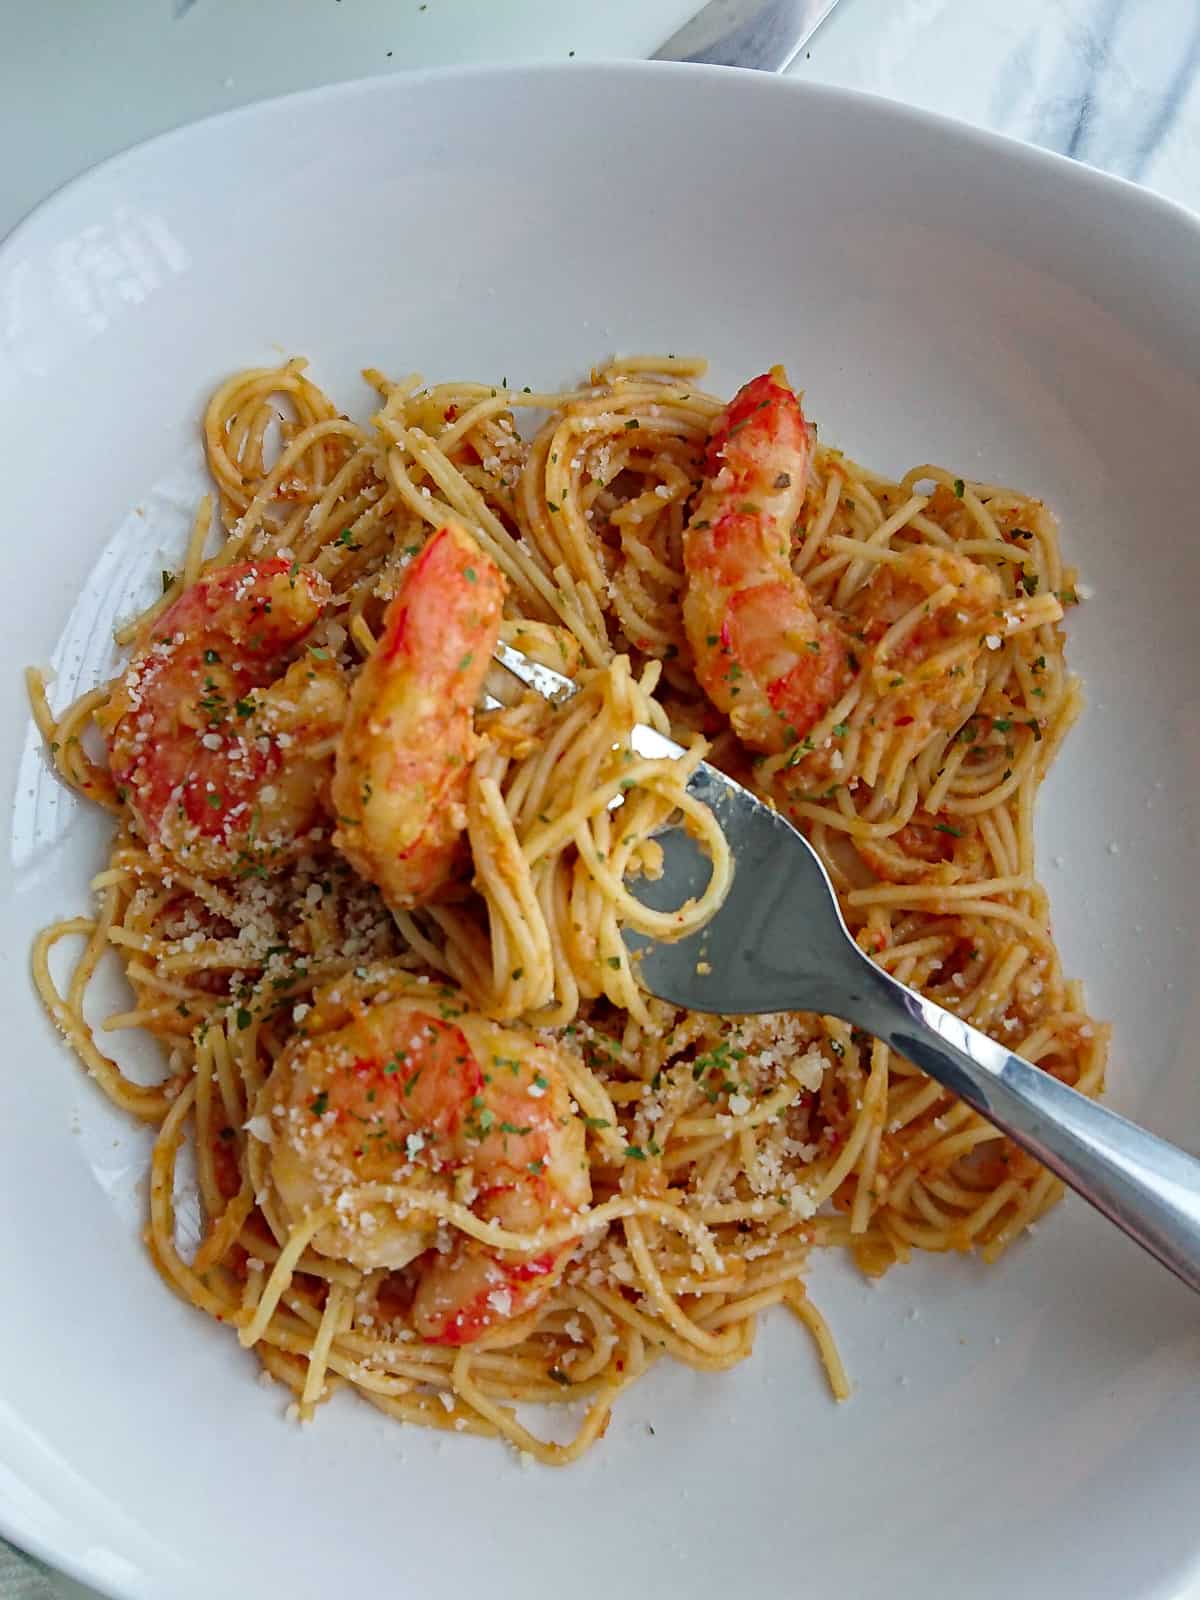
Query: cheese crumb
point(810, 1068)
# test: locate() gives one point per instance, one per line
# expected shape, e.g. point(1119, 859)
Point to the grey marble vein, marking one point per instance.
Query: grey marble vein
point(1106, 83)
point(1077, 73)
point(1167, 112)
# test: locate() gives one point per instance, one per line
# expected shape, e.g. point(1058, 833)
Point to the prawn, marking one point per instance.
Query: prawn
point(763, 655)
point(400, 1083)
point(220, 750)
point(925, 620)
point(401, 773)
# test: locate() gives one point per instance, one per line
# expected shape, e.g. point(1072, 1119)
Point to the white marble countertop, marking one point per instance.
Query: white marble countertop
point(1112, 82)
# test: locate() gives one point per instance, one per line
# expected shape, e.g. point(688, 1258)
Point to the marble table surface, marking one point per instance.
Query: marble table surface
point(1112, 82)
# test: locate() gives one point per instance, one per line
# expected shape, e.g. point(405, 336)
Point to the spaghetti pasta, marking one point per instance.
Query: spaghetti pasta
point(720, 1152)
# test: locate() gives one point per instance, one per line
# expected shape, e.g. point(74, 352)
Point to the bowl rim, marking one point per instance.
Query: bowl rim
point(17, 1525)
point(1007, 146)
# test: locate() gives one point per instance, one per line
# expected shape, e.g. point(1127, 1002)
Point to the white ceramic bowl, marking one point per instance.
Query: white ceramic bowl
point(940, 294)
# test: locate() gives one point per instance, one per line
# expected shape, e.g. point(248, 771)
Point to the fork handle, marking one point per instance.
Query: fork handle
point(1148, 1187)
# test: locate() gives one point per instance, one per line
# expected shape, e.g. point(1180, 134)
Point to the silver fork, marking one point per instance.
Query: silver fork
point(779, 943)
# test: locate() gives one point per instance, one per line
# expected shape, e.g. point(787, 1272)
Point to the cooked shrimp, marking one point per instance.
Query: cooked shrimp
point(763, 656)
point(402, 763)
point(404, 1085)
point(922, 851)
point(199, 724)
point(926, 619)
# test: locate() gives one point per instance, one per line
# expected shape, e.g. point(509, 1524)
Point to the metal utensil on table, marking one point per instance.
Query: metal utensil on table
point(766, 34)
point(779, 943)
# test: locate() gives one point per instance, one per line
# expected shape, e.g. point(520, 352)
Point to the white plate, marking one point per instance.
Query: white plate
point(940, 294)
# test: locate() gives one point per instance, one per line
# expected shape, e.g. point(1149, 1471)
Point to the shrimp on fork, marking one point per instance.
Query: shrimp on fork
point(763, 655)
point(401, 1084)
point(221, 750)
point(400, 782)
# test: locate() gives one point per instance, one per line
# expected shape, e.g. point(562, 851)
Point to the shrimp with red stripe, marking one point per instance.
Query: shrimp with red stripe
point(404, 756)
point(401, 1084)
point(220, 736)
point(764, 654)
